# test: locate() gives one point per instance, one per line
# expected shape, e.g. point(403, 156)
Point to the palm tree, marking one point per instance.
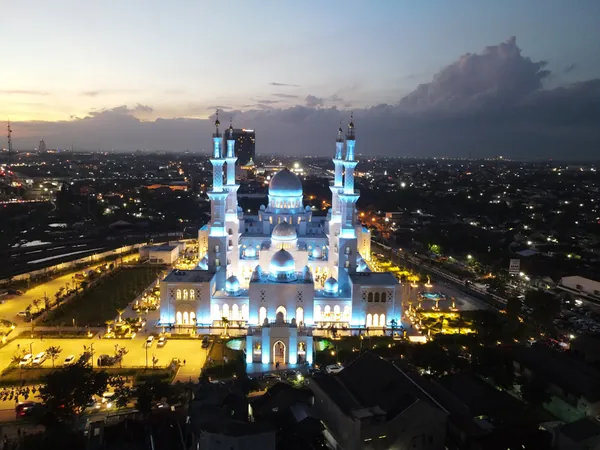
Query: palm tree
point(36, 304)
point(393, 325)
point(225, 322)
point(120, 313)
point(53, 351)
point(108, 324)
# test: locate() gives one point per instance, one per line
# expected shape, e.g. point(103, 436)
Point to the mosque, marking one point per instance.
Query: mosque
point(282, 273)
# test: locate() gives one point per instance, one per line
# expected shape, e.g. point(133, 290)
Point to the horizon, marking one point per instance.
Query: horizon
point(417, 88)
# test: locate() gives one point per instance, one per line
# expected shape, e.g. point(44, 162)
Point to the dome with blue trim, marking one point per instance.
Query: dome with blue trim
point(285, 183)
point(203, 264)
point(232, 285)
point(250, 252)
point(282, 266)
point(331, 286)
point(284, 232)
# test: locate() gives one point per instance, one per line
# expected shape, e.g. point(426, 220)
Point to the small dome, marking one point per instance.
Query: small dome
point(285, 184)
point(362, 265)
point(250, 252)
point(262, 207)
point(232, 285)
point(203, 264)
point(331, 286)
point(257, 273)
point(282, 261)
point(317, 252)
point(284, 232)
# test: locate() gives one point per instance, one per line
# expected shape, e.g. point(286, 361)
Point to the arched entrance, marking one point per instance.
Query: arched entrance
point(279, 352)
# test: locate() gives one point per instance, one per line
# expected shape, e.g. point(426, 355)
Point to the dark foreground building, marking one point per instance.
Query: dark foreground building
point(245, 145)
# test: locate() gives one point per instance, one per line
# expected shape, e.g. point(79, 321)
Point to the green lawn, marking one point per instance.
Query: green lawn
point(100, 303)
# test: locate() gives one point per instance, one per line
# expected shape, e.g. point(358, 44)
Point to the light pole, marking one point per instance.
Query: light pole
point(146, 347)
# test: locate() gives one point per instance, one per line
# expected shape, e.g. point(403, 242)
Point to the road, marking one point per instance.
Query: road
point(12, 306)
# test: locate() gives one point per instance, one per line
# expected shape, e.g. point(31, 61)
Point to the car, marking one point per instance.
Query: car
point(69, 361)
point(161, 341)
point(205, 342)
point(23, 314)
point(39, 358)
point(24, 409)
point(108, 399)
point(333, 368)
point(26, 360)
point(149, 341)
point(106, 360)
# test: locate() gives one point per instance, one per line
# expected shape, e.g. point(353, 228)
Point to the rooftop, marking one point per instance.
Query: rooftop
point(581, 430)
point(374, 278)
point(189, 276)
point(161, 248)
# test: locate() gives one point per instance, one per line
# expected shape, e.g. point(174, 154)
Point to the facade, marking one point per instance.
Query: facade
point(160, 254)
point(282, 272)
point(245, 145)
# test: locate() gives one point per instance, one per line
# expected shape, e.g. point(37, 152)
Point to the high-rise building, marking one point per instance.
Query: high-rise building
point(245, 144)
point(42, 146)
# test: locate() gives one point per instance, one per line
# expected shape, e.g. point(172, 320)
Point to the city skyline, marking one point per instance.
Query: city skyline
point(150, 84)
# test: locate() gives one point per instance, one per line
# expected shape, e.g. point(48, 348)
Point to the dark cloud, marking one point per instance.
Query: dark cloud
point(22, 92)
point(312, 101)
point(273, 83)
point(485, 104)
point(569, 68)
point(285, 95)
point(499, 76)
point(267, 102)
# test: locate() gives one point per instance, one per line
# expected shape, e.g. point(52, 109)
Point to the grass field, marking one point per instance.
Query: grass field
point(100, 303)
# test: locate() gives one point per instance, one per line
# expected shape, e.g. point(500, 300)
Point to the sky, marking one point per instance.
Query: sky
point(429, 78)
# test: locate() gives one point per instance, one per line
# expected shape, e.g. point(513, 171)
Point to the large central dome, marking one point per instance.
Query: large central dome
point(285, 183)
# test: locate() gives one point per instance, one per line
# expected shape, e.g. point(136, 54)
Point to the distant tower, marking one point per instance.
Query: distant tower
point(217, 236)
point(9, 144)
point(42, 146)
point(348, 244)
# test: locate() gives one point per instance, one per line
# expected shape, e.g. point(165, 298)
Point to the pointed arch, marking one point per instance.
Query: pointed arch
point(192, 318)
point(262, 315)
point(215, 312)
point(375, 320)
point(370, 297)
point(185, 294)
point(299, 315)
point(281, 309)
point(244, 313)
point(369, 320)
point(186, 318)
point(336, 311)
point(178, 294)
point(318, 313)
point(226, 310)
point(347, 312)
point(178, 318)
point(382, 320)
point(235, 312)
point(326, 312)
point(376, 297)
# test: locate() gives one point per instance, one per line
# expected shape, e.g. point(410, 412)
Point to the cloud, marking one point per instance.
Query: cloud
point(312, 101)
point(22, 92)
point(569, 68)
point(285, 95)
point(499, 76)
point(273, 83)
point(99, 92)
point(487, 104)
point(268, 102)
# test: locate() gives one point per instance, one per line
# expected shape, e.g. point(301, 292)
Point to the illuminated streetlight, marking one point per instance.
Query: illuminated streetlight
point(469, 256)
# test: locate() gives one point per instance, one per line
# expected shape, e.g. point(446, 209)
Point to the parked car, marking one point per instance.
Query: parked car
point(108, 399)
point(149, 341)
point(39, 358)
point(23, 313)
point(69, 361)
point(332, 369)
point(205, 342)
point(106, 360)
point(161, 341)
point(26, 360)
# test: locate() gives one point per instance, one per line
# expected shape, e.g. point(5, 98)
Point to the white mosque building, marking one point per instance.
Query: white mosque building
point(281, 273)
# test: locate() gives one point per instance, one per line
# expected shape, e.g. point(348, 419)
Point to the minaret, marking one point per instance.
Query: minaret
point(347, 243)
point(217, 235)
point(231, 211)
point(338, 164)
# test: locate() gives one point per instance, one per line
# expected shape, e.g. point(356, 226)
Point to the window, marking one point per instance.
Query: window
point(299, 315)
point(262, 314)
point(178, 319)
point(327, 311)
point(193, 318)
point(369, 320)
point(186, 319)
point(215, 312)
point(217, 249)
point(185, 294)
point(226, 310)
point(192, 294)
point(382, 320)
point(376, 297)
point(346, 312)
point(244, 315)
point(317, 313)
point(370, 297)
point(375, 320)
point(336, 311)
point(282, 310)
point(235, 312)
point(178, 294)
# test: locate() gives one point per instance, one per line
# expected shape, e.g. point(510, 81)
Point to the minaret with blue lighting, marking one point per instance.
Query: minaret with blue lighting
point(338, 164)
point(347, 242)
point(232, 224)
point(217, 234)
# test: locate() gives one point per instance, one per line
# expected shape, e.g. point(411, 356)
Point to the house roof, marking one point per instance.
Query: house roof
point(581, 430)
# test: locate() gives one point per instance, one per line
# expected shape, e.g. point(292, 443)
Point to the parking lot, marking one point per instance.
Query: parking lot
point(188, 350)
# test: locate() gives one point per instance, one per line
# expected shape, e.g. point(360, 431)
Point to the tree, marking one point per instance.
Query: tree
point(120, 352)
point(120, 313)
point(53, 351)
point(225, 322)
point(36, 304)
point(545, 306)
point(153, 390)
point(513, 307)
point(435, 249)
point(393, 325)
point(65, 393)
point(123, 393)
